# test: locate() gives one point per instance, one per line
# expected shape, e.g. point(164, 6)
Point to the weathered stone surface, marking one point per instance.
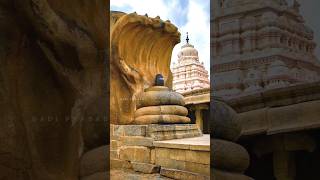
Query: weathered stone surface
point(114, 144)
point(94, 161)
point(135, 153)
point(157, 88)
point(129, 130)
point(201, 143)
point(274, 120)
point(145, 167)
point(182, 175)
point(153, 156)
point(222, 175)
point(199, 168)
point(161, 119)
point(96, 176)
point(133, 64)
point(166, 162)
point(229, 156)
point(158, 136)
point(120, 164)
point(178, 155)
point(118, 174)
point(201, 157)
point(155, 131)
point(225, 124)
point(172, 163)
point(114, 154)
point(171, 127)
point(136, 141)
point(157, 98)
point(176, 131)
point(162, 110)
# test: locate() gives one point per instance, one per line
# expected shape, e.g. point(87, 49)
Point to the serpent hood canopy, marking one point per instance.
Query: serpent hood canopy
point(141, 47)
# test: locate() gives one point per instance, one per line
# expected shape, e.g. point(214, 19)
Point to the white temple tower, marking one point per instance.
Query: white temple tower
point(189, 73)
point(260, 45)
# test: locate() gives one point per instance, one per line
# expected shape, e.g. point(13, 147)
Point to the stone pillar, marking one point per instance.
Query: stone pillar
point(199, 115)
point(199, 119)
point(283, 148)
point(284, 165)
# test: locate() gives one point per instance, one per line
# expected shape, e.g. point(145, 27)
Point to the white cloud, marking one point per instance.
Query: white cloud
point(197, 24)
point(198, 27)
point(157, 8)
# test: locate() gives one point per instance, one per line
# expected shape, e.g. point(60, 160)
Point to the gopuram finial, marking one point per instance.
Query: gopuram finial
point(187, 39)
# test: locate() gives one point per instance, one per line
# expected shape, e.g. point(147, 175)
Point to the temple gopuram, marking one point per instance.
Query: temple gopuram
point(260, 45)
point(191, 79)
point(264, 67)
point(189, 73)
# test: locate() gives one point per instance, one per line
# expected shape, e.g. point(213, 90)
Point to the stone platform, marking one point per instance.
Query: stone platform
point(156, 131)
point(187, 158)
point(176, 151)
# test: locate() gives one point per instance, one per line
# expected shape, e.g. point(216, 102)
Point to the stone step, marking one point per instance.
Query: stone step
point(155, 131)
point(145, 167)
point(190, 154)
point(120, 164)
point(182, 175)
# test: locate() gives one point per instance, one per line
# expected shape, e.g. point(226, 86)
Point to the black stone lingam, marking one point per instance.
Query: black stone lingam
point(159, 81)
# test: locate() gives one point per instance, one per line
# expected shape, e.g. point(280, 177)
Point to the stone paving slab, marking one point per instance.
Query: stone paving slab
point(201, 143)
point(182, 175)
point(117, 174)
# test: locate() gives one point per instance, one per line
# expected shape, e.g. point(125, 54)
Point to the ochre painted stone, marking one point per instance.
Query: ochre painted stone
point(162, 110)
point(157, 98)
point(229, 156)
point(161, 119)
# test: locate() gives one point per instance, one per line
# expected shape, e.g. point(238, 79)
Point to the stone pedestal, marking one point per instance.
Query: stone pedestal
point(156, 132)
point(176, 151)
point(229, 160)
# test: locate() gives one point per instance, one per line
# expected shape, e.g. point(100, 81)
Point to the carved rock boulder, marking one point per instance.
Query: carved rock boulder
point(141, 48)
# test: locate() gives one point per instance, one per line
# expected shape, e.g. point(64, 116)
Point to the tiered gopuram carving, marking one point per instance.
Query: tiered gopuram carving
point(189, 73)
point(260, 45)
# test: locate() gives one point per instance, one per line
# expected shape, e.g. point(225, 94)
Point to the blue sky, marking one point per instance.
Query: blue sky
point(192, 16)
